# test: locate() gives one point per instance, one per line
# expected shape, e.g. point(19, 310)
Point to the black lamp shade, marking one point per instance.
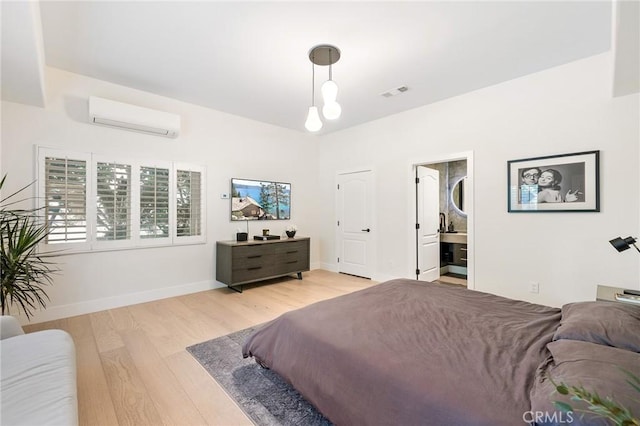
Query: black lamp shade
point(621, 244)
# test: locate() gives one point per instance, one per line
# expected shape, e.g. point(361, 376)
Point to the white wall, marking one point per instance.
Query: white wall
point(562, 110)
point(229, 146)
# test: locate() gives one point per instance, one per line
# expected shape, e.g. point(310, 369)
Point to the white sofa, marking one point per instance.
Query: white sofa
point(38, 376)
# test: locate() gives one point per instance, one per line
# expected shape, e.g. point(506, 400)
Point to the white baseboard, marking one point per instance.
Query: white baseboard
point(64, 311)
point(384, 277)
point(52, 313)
point(331, 267)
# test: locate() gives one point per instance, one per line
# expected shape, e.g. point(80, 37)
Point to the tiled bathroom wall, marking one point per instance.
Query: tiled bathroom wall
point(450, 173)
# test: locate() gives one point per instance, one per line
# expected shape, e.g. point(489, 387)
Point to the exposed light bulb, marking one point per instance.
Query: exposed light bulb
point(329, 91)
point(313, 123)
point(331, 110)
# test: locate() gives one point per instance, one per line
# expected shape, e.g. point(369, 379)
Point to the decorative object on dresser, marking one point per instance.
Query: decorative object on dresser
point(266, 237)
point(291, 231)
point(240, 263)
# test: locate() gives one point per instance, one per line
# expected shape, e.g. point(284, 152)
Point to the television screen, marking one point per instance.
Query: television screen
point(260, 200)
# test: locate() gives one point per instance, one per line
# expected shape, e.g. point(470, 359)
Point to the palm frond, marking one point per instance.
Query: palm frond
point(23, 271)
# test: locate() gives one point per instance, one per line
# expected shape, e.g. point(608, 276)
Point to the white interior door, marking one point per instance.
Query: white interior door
point(428, 206)
point(355, 223)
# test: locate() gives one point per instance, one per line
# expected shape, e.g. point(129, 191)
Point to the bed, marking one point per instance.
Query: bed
point(408, 352)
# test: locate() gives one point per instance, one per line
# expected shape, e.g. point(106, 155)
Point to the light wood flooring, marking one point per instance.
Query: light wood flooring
point(132, 366)
point(452, 279)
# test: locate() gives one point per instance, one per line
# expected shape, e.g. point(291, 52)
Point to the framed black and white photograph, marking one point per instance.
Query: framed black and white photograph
point(555, 183)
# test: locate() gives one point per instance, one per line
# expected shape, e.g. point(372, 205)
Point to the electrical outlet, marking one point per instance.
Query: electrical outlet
point(534, 287)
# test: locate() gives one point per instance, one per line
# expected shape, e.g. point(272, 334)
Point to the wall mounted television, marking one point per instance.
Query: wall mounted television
point(260, 200)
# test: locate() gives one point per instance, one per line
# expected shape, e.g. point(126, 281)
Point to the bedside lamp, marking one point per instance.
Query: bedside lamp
point(621, 244)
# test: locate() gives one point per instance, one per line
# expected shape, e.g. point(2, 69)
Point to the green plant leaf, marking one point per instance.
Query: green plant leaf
point(604, 407)
point(563, 406)
point(633, 380)
point(23, 272)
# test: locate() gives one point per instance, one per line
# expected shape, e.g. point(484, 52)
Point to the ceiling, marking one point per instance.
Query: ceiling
point(251, 58)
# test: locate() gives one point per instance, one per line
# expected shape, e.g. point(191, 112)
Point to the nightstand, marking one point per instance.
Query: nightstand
point(606, 293)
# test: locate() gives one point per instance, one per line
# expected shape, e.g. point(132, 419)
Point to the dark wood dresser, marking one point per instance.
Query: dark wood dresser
point(244, 262)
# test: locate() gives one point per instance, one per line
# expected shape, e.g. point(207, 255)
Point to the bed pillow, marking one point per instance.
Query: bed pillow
point(596, 367)
point(606, 323)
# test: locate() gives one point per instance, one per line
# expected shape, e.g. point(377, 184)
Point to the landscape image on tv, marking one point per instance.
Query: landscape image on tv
point(260, 200)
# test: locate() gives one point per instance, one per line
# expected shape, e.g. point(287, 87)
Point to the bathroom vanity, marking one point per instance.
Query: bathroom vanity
point(453, 252)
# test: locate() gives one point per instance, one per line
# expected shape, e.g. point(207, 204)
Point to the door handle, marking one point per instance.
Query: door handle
point(366, 230)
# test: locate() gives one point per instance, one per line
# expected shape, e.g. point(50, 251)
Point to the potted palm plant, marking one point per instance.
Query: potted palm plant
point(604, 407)
point(23, 271)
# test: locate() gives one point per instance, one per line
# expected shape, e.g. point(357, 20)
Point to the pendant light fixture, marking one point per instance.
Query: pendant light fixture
point(323, 55)
point(313, 123)
point(331, 109)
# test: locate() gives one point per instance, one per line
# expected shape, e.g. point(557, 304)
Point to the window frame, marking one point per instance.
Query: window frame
point(193, 239)
point(93, 207)
point(41, 201)
point(154, 242)
point(135, 241)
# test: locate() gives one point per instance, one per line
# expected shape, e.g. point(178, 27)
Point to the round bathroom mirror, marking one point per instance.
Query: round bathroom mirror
point(458, 195)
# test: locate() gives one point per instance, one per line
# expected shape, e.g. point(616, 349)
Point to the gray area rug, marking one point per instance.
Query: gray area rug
point(262, 394)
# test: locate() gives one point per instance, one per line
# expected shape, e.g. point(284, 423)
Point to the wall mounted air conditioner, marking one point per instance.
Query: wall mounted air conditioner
point(110, 113)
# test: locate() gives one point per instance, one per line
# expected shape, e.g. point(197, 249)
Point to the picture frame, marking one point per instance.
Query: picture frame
point(260, 200)
point(554, 183)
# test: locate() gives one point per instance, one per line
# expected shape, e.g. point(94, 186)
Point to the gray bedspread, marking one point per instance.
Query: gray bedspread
point(406, 352)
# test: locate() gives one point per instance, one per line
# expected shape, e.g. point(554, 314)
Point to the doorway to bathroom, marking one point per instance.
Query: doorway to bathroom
point(444, 220)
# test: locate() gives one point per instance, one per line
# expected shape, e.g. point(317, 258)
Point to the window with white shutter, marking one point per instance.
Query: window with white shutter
point(65, 199)
point(154, 202)
point(95, 203)
point(113, 201)
point(188, 203)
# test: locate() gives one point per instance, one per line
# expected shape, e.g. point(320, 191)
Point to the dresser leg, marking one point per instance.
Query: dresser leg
point(239, 290)
point(299, 275)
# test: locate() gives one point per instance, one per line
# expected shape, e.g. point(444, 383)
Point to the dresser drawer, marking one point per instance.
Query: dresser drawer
point(292, 266)
point(253, 261)
point(293, 251)
point(251, 251)
point(254, 273)
point(291, 247)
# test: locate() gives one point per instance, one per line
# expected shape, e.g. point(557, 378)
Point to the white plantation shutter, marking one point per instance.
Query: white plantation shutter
point(113, 201)
point(154, 202)
point(188, 203)
point(65, 199)
point(94, 203)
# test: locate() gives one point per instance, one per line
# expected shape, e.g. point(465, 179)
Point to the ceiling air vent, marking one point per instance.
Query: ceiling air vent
point(395, 91)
